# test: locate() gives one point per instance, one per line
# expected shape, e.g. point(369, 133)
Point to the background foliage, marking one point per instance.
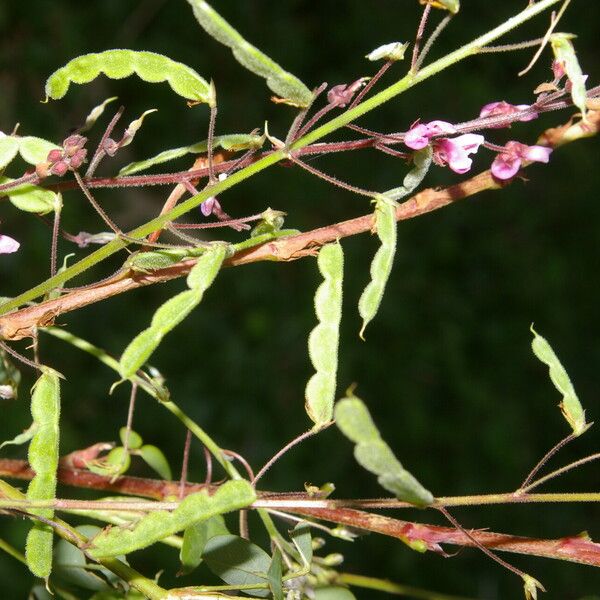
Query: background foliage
point(447, 369)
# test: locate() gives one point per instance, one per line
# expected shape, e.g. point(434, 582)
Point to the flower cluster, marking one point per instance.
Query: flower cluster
point(455, 151)
point(71, 157)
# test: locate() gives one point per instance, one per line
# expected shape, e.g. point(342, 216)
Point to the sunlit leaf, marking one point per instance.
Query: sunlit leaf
point(564, 51)
point(156, 460)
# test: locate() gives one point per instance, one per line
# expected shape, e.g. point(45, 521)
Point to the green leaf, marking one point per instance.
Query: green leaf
point(22, 438)
point(381, 267)
point(232, 495)
point(43, 458)
point(239, 141)
point(33, 150)
point(238, 562)
point(334, 593)
point(275, 574)
point(115, 463)
point(32, 198)
point(570, 405)
point(564, 52)
point(372, 453)
point(323, 341)
point(135, 439)
point(284, 84)
point(194, 540)
point(156, 460)
point(302, 539)
point(117, 64)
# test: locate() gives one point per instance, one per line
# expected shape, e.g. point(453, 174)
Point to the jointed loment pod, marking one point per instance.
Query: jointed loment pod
point(118, 64)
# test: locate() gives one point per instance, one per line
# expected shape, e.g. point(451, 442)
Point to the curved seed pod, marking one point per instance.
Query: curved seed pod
point(323, 341)
point(117, 64)
point(422, 161)
point(570, 405)
point(381, 267)
point(372, 453)
point(155, 526)
point(43, 458)
point(232, 142)
point(33, 150)
point(564, 52)
point(284, 84)
point(152, 260)
point(173, 311)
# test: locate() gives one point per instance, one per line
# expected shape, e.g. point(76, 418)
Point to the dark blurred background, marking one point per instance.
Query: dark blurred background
point(447, 368)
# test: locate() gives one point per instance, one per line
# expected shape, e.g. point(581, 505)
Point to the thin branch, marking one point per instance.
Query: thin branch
point(432, 38)
point(419, 37)
point(100, 152)
point(185, 463)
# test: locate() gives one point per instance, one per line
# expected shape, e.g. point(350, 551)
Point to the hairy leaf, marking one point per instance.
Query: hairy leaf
point(284, 84)
point(232, 495)
point(570, 405)
point(43, 458)
point(33, 150)
point(323, 341)
point(422, 161)
point(371, 452)
point(32, 198)
point(117, 64)
point(239, 141)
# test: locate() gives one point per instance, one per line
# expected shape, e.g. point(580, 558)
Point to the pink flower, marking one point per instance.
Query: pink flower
point(342, 94)
point(418, 136)
point(508, 162)
point(455, 152)
point(502, 108)
point(8, 244)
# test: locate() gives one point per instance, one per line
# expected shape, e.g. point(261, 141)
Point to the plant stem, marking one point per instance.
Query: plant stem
point(336, 123)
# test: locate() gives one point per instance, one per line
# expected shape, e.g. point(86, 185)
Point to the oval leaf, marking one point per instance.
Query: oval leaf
point(284, 84)
point(117, 64)
point(156, 460)
point(31, 198)
point(564, 51)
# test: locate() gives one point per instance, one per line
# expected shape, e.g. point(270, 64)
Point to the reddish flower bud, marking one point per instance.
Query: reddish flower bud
point(59, 168)
point(54, 156)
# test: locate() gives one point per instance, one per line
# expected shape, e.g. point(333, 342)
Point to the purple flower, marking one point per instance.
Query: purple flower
point(8, 244)
point(502, 108)
point(342, 94)
point(419, 134)
point(455, 152)
point(508, 162)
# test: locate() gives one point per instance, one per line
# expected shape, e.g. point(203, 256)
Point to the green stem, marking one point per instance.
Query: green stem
point(342, 120)
point(12, 551)
point(383, 585)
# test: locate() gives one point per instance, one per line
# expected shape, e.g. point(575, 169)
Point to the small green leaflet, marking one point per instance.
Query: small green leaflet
point(302, 539)
point(323, 341)
point(33, 150)
point(156, 460)
point(43, 458)
point(117, 64)
point(173, 311)
point(381, 267)
point(22, 438)
point(238, 562)
point(564, 53)
point(284, 84)
point(275, 574)
point(32, 198)
point(232, 495)
point(372, 453)
point(570, 405)
point(233, 142)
